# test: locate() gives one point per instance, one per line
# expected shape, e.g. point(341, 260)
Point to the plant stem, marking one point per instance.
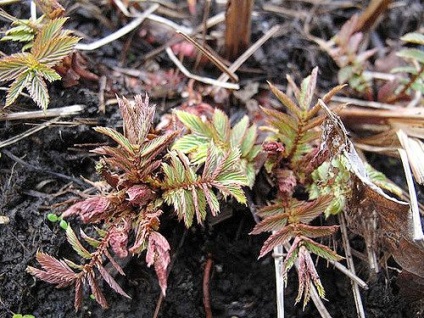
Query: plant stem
point(407, 86)
point(206, 293)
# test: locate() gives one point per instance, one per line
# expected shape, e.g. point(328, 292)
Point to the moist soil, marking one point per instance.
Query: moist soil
point(46, 168)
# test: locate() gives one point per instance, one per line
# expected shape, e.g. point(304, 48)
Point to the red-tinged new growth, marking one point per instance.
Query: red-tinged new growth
point(294, 151)
point(141, 174)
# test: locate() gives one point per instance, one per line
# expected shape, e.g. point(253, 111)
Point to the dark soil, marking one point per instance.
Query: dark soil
point(45, 169)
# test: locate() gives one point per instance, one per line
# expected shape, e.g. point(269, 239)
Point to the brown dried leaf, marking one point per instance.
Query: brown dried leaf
point(394, 217)
point(51, 8)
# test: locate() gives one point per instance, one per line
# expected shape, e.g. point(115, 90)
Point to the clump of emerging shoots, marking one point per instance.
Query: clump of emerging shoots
point(294, 154)
point(140, 175)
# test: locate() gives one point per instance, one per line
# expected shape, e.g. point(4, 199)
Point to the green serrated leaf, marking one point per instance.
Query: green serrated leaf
point(37, 89)
point(238, 132)
point(413, 37)
point(48, 73)
point(16, 87)
point(93, 242)
point(76, 244)
point(212, 200)
point(194, 123)
point(189, 143)
point(413, 54)
point(321, 250)
point(56, 50)
point(221, 124)
point(48, 32)
point(117, 136)
point(249, 141)
point(14, 65)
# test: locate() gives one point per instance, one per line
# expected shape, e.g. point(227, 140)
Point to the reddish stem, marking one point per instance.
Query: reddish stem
point(206, 293)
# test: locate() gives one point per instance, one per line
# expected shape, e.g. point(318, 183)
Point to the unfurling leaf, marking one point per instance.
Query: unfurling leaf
point(158, 255)
point(118, 238)
point(90, 210)
point(307, 275)
point(184, 188)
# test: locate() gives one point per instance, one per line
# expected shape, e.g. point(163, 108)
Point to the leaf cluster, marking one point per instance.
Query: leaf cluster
point(31, 70)
point(141, 174)
point(296, 159)
point(240, 138)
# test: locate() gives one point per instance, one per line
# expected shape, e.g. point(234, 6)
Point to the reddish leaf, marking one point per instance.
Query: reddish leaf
point(140, 194)
point(118, 238)
point(95, 290)
point(278, 238)
point(90, 210)
point(272, 223)
point(54, 271)
point(111, 281)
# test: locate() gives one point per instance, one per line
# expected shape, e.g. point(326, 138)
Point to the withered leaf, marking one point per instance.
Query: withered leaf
point(51, 8)
point(394, 229)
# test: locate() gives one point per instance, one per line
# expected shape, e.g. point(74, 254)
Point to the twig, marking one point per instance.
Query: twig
point(364, 103)
point(278, 262)
point(216, 19)
point(206, 292)
point(355, 289)
point(205, 80)
point(416, 220)
point(211, 57)
point(239, 62)
point(37, 114)
point(27, 133)
point(121, 32)
point(206, 11)
point(102, 87)
point(33, 9)
point(349, 274)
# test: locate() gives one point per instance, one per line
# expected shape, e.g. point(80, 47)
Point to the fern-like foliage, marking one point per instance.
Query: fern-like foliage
point(294, 155)
point(31, 70)
point(240, 138)
point(140, 175)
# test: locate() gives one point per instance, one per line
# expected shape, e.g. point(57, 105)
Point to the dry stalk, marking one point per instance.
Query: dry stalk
point(351, 266)
point(119, 33)
point(238, 27)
